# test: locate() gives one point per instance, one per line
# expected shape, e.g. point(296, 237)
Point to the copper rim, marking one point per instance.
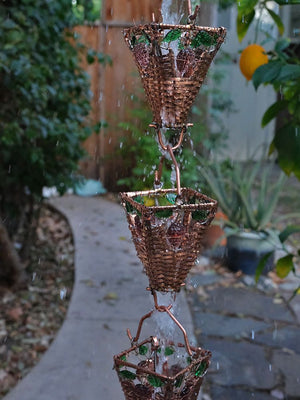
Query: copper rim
point(171, 91)
point(168, 246)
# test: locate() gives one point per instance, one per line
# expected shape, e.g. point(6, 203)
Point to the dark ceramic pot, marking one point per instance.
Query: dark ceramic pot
point(246, 249)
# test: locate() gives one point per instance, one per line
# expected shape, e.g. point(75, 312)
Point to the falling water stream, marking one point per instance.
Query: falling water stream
point(170, 14)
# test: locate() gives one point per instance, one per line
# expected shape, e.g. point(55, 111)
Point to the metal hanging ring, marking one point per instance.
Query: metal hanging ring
point(148, 315)
point(179, 143)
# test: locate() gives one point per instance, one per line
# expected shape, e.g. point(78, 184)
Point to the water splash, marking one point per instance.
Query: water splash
point(169, 15)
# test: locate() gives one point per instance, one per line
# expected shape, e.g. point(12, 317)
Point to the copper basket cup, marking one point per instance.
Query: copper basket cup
point(159, 369)
point(168, 237)
point(173, 61)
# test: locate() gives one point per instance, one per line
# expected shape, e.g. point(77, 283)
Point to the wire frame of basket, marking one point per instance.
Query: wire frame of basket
point(167, 232)
point(148, 371)
point(173, 61)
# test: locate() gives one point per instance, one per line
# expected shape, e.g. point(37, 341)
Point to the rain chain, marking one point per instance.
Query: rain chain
point(173, 61)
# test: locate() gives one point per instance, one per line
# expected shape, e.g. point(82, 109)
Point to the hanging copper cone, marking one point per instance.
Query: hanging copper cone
point(168, 235)
point(173, 61)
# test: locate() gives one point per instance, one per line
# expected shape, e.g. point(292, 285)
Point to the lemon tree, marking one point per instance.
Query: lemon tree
point(281, 69)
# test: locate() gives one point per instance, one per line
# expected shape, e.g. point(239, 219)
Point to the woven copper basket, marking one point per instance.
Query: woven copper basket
point(168, 234)
point(159, 369)
point(173, 61)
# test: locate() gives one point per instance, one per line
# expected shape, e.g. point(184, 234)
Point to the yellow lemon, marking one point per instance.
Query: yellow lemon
point(252, 57)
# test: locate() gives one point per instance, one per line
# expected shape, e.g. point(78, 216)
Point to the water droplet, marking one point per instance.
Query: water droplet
point(62, 293)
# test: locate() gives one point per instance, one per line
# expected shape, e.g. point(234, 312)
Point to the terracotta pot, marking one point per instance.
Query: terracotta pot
point(215, 234)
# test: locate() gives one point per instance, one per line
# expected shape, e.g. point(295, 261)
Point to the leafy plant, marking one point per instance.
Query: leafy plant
point(139, 151)
point(283, 73)
point(45, 101)
point(245, 193)
point(87, 10)
point(286, 263)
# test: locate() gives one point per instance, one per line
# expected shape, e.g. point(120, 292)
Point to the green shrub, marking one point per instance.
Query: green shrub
point(45, 101)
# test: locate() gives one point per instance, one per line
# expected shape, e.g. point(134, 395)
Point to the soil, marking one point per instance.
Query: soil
point(31, 316)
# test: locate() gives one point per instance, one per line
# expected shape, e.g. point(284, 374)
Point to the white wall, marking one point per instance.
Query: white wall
point(246, 137)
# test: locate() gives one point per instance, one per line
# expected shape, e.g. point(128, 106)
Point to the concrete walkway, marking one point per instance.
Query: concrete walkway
point(108, 297)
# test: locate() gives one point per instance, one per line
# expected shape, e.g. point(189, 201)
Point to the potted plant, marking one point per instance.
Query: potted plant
point(248, 194)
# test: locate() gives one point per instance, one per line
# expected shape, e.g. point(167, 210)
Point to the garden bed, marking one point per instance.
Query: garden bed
point(31, 316)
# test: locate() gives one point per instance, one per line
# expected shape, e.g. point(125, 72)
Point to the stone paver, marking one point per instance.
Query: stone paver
point(287, 337)
point(289, 366)
point(254, 338)
point(240, 363)
point(225, 393)
point(246, 302)
point(210, 324)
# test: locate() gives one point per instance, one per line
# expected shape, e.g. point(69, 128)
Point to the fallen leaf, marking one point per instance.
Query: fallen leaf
point(14, 314)
point(111, 296)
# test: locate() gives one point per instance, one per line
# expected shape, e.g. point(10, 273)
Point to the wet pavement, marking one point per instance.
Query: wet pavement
point(108, 297)
point(253, 333)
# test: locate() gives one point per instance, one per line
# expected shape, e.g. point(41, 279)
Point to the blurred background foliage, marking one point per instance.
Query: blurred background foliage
point(45, 103)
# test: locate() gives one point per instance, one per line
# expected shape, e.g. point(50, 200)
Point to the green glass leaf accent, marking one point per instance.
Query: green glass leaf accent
point(192, 200)
point(123, 358)
point(154, 381)
point(169, 351)
point(143, 350)
point(125, 374)
point(164, 213)
point(189, 360)
point(129, 207)
point(284, 266)
point(172, 35)
point(199, 215)
point(138, 199)
point(133, 41)
point(144, 38)
point(132, 210)
point(201, 369)
point(204, 38)
point(178, 381)
point(180, 45)
point(163, 201)
point(171, 197)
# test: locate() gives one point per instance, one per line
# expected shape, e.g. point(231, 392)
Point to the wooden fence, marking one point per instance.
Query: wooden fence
point(113, 85)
